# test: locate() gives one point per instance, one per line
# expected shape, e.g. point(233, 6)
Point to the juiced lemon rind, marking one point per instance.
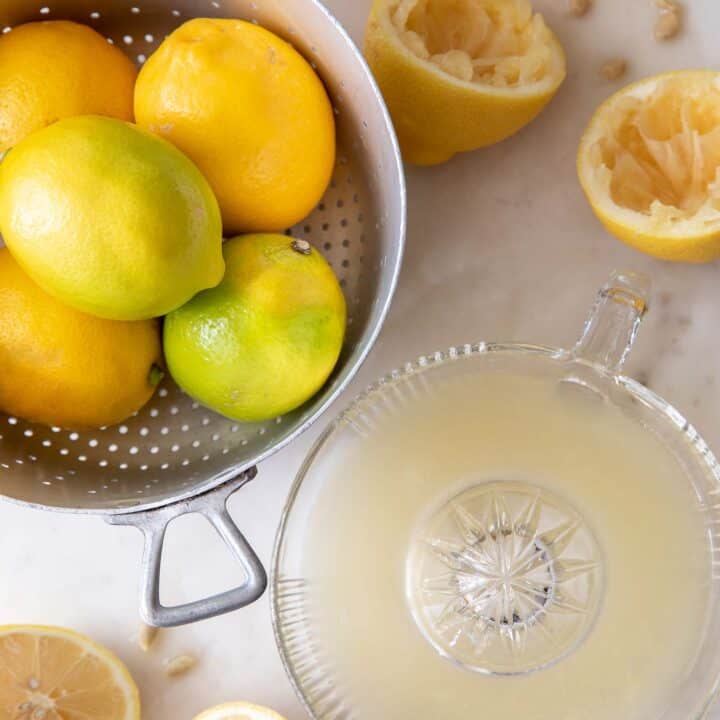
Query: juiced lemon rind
point(649, 163)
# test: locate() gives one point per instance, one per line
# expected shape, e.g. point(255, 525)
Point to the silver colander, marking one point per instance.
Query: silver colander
point(176, 456)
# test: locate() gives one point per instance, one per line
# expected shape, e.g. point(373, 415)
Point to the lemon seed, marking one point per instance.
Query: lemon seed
point(179, 665)
point(614, 69)
point(670, 19)
point(667, 26)
point(578, 8)
point(147, 637)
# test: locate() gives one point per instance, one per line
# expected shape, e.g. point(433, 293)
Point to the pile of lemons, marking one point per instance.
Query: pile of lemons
point(116, 191)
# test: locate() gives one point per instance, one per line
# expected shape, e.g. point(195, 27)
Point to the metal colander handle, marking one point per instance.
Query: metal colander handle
point(153, 524)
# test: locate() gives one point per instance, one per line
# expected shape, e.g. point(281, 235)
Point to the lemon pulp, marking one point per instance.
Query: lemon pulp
point(501, 43)
point(458, 75)
point(661, 154)
point(56, 674)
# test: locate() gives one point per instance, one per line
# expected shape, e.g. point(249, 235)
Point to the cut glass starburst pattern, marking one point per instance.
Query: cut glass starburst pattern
point(506, 578)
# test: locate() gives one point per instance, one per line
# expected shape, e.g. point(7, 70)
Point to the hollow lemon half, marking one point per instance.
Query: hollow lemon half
point(239, 711)
point(57, 674)
point(649, 163)
point(458, 75)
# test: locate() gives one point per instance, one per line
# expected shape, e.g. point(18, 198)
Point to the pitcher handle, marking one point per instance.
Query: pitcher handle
point(612, 326)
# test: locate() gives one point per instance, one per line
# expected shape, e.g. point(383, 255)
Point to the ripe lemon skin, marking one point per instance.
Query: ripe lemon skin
point(110, 219)
point(700, 248)
point(56, 69)
point(436, 115)
point(250, 112)
point(62, 367)
point(266, 339)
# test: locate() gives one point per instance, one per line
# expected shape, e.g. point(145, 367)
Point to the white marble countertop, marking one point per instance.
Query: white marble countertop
point(501, 246)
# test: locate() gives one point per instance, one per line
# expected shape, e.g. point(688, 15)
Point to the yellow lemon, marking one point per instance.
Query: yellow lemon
point(239, 711)
point(58, 674)
point(111, 219)
point(266, 339)
point(649, 163)
point(62, 367)
point(250, 111)
point(458, 75)
point(56, 69)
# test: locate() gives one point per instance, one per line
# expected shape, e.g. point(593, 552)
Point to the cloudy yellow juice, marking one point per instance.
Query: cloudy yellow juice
point(584, 597)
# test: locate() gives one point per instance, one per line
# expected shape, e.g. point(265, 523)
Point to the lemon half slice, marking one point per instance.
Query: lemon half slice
point(48, 673)
point(649, 163)
point(461, 74)
point(239, 711)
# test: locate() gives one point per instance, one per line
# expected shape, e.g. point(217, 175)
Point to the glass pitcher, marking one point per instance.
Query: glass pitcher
point(506, 531)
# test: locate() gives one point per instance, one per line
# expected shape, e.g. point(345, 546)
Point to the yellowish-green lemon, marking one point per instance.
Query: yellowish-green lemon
point(59, 366)
point(55, 69)
point(266, 339)
point(250, 111)
point(109, 218)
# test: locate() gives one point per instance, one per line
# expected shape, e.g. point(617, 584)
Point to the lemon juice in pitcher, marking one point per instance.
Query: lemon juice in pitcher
point(499, 532)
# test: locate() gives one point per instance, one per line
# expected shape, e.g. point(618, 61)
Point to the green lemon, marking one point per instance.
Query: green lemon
point(266, 339)
point(110, 219)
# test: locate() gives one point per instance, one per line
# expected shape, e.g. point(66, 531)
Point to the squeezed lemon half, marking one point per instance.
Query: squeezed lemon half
point(649, 163)
point(239, 711)
point(461, 74)
point(56, 674)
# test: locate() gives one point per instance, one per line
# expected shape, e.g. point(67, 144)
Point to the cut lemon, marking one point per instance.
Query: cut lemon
point(458, 75)
point(49, 673)
point(239, 711)
point(649, 163)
